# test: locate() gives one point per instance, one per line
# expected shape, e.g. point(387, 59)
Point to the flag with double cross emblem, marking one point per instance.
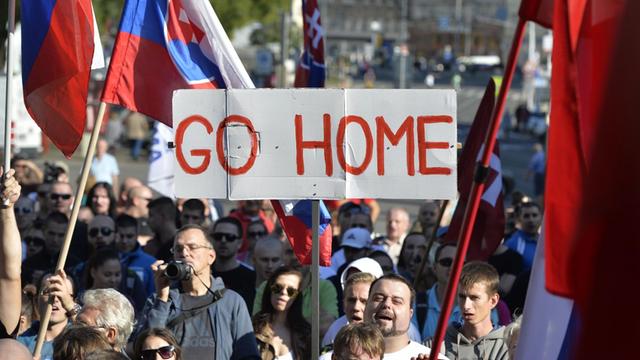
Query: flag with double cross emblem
point(166, 45)
point(311, 70)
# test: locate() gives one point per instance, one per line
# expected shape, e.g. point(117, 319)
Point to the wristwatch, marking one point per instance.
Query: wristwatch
point(74, 311)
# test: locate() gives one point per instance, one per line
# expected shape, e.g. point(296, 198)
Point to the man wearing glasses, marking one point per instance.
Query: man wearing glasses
point(227, 239)
point(209, 321)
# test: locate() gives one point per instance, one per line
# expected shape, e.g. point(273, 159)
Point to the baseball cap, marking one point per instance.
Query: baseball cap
point(358, 238)
point(364, 264)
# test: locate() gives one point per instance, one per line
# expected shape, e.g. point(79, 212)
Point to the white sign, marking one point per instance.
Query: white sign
point(315, 144)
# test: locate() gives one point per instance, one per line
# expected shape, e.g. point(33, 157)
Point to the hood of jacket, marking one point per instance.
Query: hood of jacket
point(491, 346)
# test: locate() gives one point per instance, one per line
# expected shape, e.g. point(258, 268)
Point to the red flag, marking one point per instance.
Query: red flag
point(577, 83)
point(57, 52)
point(539, 11)
point(488, 229)
point(603, 265)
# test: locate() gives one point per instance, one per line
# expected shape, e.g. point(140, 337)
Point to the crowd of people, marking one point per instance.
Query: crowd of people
point(150, 277)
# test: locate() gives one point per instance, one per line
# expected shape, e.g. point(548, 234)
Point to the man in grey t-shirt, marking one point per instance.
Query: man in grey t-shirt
point(209, 321)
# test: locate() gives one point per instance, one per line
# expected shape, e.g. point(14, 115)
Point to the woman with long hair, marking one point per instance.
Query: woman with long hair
point(281, 330)
point(102, 200)
point(155, 341)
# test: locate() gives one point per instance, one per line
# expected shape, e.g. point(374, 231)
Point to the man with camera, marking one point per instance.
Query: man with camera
point(209, 321)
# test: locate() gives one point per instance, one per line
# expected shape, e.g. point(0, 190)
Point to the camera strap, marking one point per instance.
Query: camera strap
point(187, 314)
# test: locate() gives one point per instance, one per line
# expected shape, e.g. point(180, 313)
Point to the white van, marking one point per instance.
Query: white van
point(26, 135)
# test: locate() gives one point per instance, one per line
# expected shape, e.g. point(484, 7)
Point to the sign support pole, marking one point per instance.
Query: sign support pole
point(315, 280)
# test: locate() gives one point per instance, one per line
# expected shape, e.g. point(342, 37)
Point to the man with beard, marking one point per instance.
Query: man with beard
point(389, 306)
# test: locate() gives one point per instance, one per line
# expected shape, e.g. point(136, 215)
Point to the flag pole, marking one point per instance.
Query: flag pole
point(9, 88)
point(64, 251)
point(315, 280)
point(477, 188)
point(425, 255)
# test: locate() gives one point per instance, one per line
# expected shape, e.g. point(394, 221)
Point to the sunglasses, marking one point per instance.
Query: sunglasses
point(54, 196)
point(445, 262)
point(277, 289)
point(224, 237)
point(104, 230)
point(165, 352)
point(256, 233)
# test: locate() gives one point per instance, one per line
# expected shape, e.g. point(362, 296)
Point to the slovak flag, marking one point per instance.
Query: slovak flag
point(58, 43)
point(165, 45)
point(311, 70)
point(296, 219)
point(488, 229)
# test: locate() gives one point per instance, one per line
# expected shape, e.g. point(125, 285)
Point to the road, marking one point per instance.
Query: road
point(515, 152)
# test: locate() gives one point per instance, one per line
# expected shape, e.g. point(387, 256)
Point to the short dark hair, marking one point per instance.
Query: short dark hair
point(398, 278)
point(527, 205)
point(229, 220)
point(56, 217)
point(364, 336)
point(193, 204)
point(125, 221)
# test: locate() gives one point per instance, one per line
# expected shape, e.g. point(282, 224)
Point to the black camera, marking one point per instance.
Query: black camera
point(178, 271)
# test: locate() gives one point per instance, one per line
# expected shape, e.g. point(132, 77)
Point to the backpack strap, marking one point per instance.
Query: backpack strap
point(187, 314)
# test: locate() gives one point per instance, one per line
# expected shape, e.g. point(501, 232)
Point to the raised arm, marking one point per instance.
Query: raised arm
point(10, 255)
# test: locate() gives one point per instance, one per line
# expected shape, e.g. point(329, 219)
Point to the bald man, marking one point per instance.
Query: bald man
point(12, 350)
point(267, 257)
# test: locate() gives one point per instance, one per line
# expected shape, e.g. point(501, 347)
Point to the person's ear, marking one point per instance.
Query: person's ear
point(112, 334)
point(494, 299)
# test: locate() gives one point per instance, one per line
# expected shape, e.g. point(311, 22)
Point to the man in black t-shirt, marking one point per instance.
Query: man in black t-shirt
point(227, 239)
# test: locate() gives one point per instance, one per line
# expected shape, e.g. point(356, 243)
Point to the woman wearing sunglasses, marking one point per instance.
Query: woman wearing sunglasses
point(281, 330)
point(155, 344)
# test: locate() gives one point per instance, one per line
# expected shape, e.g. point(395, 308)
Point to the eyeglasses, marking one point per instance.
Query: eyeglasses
point(22, 210)
point(165, 352)
point(277, 289)
point(54, 196)
point(104, 230)
point(177, 249)
point(256, 233)
point(226, 237)
point(445, 262)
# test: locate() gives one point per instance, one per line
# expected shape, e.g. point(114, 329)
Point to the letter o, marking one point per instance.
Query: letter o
point(220, 150)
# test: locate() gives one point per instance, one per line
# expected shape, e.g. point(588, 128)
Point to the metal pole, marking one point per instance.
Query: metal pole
point(64, 251)
point(315, 280)
point(404, 51)
point(476, 191)
point(9, 88)
point(284, 46)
